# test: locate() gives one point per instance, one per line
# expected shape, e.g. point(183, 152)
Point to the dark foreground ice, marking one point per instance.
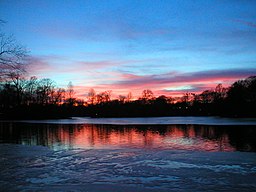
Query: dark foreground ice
point(37, 168)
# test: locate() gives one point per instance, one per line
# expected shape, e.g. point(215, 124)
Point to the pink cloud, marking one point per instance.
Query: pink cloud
point(195, 77)
point(198, 82)
point(59, 64)
point(44, 63)
point(36, 65)
point(90, 75)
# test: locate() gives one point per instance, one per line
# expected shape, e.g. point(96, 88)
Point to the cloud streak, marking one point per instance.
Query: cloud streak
point(250, 24)
point(38, 65)
point(178, 83)
point(95, 75)
point(201, 76)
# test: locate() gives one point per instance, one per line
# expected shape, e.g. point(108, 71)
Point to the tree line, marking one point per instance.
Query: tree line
point(21, 97)
point(238, 100)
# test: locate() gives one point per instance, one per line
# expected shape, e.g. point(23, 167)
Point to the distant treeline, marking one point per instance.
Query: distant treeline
point(238, 100)
point(39, 98)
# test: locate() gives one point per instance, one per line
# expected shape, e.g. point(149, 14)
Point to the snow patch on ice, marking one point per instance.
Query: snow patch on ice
point(163, 170)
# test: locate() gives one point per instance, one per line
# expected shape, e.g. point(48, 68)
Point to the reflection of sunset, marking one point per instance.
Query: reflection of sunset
point(176, 137)
point(171, 137)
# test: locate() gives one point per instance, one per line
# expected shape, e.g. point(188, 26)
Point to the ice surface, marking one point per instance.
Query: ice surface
point(148, 121)
point(37, 168)
point(151, 120)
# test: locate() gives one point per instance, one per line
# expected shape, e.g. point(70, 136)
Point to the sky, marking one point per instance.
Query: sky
point(171, 47)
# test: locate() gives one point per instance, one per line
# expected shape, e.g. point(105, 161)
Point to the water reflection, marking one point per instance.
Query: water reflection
point(185, 137)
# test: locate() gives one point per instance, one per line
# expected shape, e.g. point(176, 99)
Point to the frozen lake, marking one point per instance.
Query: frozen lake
point(128, 154)
point(152, 121)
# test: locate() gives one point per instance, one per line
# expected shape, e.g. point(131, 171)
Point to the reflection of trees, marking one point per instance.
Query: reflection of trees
point(139, 136)
point(242, 138)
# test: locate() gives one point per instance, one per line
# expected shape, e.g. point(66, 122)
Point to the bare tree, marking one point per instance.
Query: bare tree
point(129, 97)
point(58, 96)
point(147, 94)
point(92, 96)
point(103, 96)
point(220, 92)
point(121, 98)
point(12, 57)
point(44, 91)
point(12, 63)
point(30, 90)
point(207, 96)
point(187, 98)
point(70, 94)
point(108, 95)
point(19, 84)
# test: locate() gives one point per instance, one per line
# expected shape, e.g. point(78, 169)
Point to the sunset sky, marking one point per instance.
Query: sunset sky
point(170, 47)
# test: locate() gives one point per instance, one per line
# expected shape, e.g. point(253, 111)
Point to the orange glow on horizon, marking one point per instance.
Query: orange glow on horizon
point(158, 90)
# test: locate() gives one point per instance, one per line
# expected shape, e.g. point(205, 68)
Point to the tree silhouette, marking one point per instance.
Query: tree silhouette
point(92, 96)
point(58, 96)
point(44, 91)
point(207, 96)
point(40, 98)
point(30, 90)
point(122, 98)
point(129, 97)
point(12, 57)
point(146, 96)
point(104, 97)
point(70, 94)
point(220, 93)
point(12, 63)
point(243, 91)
